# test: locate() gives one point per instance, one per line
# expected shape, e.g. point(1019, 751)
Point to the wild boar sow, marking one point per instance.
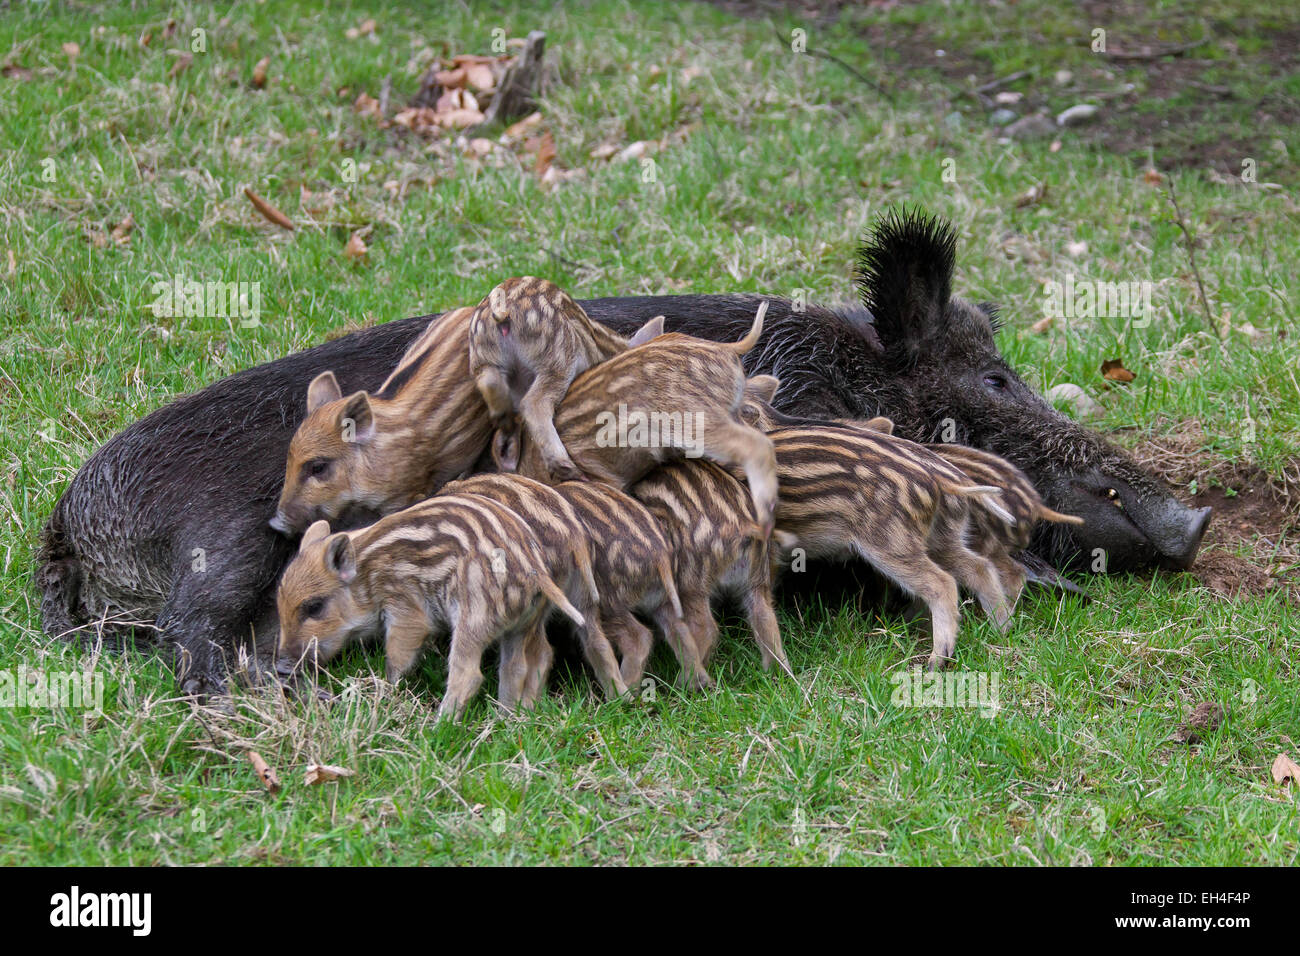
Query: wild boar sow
point(167, 523)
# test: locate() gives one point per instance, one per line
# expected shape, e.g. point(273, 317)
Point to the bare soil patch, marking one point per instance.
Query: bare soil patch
point(1252, 546)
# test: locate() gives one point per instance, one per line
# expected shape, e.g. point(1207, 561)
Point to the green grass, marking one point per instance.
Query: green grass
point(782, 161)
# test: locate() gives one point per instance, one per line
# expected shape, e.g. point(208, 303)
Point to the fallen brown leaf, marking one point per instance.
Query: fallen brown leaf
point(545, 148)
point(325, 773)
point(181, 65)
point(13, 71)
point(635, 151)
point(1284, 769)
point(417, 119)
point(367, 104)
point(456, 99)
point(97, 238)
point(460, 118)
point(1153, 177)
point(1114, 370)
point(264, 772)
point(480, 76)
point(451, 79)
point(71, 50)
point(515, 130)
point(145, 37)
point(1042, 325)
point(267, 210)
point(1032, 196)
point(122, 231)
point(259, 72)
point(367, 27)
point(356, 247)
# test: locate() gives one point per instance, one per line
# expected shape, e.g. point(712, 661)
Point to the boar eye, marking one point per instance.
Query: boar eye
point(1114, 498)
point(312, 608)
point(318, 467)
point(995, 381)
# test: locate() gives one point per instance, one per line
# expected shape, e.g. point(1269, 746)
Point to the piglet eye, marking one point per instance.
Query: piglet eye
point(312, 608)
point(318, 467)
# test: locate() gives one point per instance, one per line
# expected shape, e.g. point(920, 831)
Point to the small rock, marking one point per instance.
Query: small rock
point(1076, 249)
point(1078, 115)
point(953, 120)
point(1078, 400)
point(1008, 97)
point(1002, 117)
point(1063, 76)
point(1030, 127)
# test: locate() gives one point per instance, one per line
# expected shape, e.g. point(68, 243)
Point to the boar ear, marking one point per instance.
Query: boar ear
point(319, 531)
point(357, 419)
point(880, 424)
point(904, 276)
point(341, 557)
point(763, 387)
point(651, 330)
point(505, 449)
point(324, 388)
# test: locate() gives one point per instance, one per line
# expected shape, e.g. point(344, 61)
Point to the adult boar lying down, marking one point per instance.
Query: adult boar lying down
point(168, 523)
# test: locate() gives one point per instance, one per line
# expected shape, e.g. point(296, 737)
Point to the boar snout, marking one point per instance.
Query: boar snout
point(282, 524)
point(1128, 527)
point(1177, 532)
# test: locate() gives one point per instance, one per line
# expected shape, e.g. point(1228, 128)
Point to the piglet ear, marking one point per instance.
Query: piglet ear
point(762, 387)
point(319, 531)
point(880, 424)
point(324, 388)
point(904, 276)
point(651, 330)
point(341, 557)
point(505, 449)
point(357, 419)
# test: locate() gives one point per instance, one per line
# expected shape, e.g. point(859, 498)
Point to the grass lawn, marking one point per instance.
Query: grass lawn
point(764, 168)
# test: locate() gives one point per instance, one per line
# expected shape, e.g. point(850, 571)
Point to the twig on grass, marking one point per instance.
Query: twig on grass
point(1191, 257)
point(822, 55)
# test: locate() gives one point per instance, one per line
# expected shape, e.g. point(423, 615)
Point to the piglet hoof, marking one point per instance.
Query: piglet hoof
point(566, 471)
point(936, 663)
point(700, 682)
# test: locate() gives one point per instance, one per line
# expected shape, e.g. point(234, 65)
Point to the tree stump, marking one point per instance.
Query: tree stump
point(517, 91)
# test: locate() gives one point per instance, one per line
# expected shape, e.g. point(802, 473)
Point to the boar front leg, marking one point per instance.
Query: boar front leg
point(514, 667)
point(206, 619)
point(537, 408)
point(633, 640)
point(408, 629)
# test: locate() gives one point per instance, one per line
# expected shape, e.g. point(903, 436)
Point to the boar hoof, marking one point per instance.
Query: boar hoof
point(203, 686)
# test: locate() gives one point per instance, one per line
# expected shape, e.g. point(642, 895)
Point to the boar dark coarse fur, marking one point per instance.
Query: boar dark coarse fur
point(167, 524)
